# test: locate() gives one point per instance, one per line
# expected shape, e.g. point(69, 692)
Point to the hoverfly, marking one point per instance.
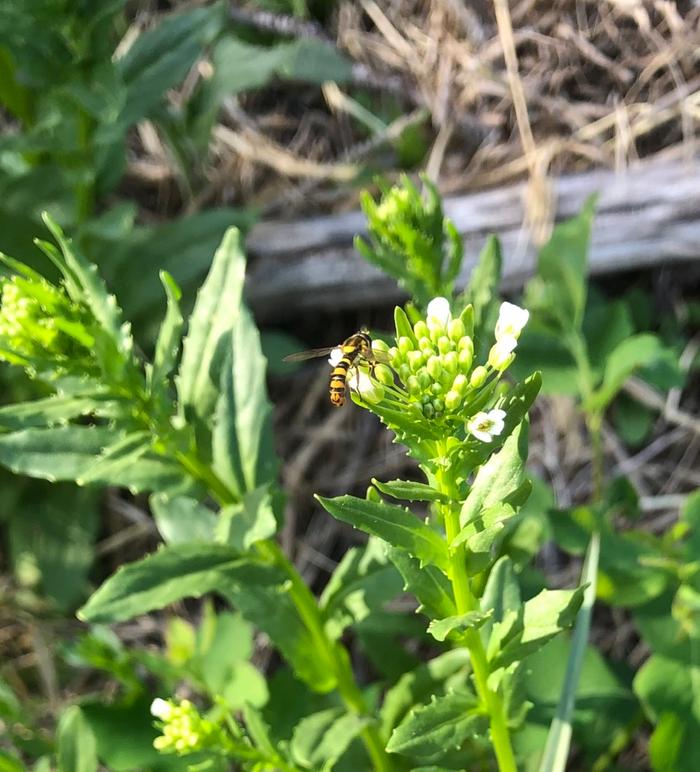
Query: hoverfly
point(356, 348)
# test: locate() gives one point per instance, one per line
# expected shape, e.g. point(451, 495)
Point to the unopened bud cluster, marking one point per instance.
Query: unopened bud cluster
point(38, 321)
point(183, 729)
point(436, 369)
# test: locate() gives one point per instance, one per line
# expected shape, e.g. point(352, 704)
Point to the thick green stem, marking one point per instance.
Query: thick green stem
point(465, 602)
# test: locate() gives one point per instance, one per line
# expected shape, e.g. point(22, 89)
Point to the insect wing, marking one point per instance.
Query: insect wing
point(301, 356)
point(377, 356)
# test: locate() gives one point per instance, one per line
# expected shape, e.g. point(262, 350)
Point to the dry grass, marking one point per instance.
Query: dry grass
point(581, 84)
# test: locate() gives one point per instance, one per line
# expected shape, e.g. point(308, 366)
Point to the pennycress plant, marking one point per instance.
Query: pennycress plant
point(467, 428)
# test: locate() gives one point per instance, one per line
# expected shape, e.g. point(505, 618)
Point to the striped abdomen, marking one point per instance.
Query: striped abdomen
point(339, 376)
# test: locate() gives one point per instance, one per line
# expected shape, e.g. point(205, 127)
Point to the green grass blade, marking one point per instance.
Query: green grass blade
point(559, 738)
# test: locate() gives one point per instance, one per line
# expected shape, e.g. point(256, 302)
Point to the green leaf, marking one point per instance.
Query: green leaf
point(206, 349)
point(92, 290)
point(666, 689)
point(544, 616)
point(558, 293)
point(444, 723)
point(130, 462)
point(605, 705)
point(363, 581)
point(500, 476)
point(501, 598)
point(395, 525)
point(60, 453)
point(224, 664)
point(133, 725)
point(263, 596)
point(242, 525)
point(430, 585)
point(445, 672)
point(50, 410)
point(171, 573)
point(161, 57)
point(321, 738)
point(259, 732)
point(51, 535)
point(543, 350)
point(240, 66)
point(168, 342)
point(183, 520)
point(628, 356)
point(243, 450)
point(77, 749)
point(440, 629)
point(403, 325)
point(408, 490)
point(481, 291)
point(183, 247)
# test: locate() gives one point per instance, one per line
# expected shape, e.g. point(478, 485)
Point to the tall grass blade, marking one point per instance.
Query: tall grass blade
point(559, 738)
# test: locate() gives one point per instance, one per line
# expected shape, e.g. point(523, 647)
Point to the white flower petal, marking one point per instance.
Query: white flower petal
point(511, 320)
point(161, 708)
point(361, 383)
point(500, 352)
point(438, 311)
point(335, 356)
point(486, 426)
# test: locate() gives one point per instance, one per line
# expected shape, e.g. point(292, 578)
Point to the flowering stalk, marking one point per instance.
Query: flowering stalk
point(453, 414)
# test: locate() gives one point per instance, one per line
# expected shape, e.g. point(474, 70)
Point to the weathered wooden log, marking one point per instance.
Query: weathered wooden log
point(648, 215)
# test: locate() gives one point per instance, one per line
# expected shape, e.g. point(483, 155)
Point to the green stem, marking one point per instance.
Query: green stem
point(465, 602)
point(333, 653)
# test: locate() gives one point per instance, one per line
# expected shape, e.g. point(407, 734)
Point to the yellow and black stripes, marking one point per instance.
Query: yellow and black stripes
point(357, 345)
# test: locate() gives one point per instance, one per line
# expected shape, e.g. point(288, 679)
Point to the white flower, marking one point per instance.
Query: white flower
point(438, 313)
point(366, 387)
point(511, 320)
point(161, 709)
point(486, 426)
point(336, 356)
point(501, 353)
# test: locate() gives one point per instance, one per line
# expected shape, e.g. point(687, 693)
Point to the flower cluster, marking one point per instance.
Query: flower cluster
point(183, 729)
point(39, 323)
point(436, 369)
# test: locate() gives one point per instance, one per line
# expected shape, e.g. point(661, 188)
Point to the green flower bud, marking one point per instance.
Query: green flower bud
point(460, 383)
point(413, 385)
point(420, 329)
point(436, 389)
point(428, 411)
point(438, 405)
point(393, 353)
point(424, 379)
point(425, 344)
point(450, 361)
point(384, 374)
point(465, 359)
point(415, 360)
point(465, 342)
point(478, 376)
point(453, 399)
point(380, 345)
point(435, 367)
point(444, 344)
point(455, 329)
point(405, 344)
